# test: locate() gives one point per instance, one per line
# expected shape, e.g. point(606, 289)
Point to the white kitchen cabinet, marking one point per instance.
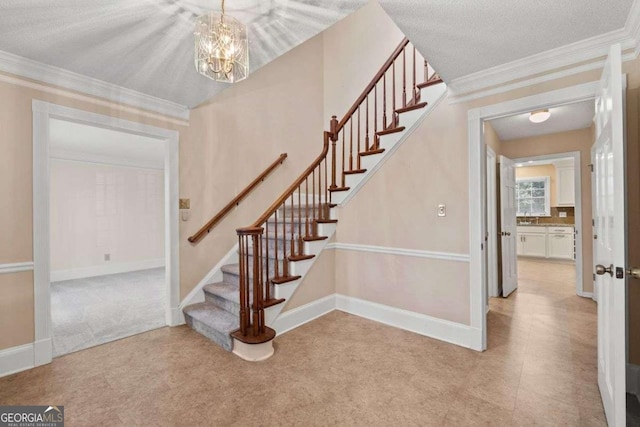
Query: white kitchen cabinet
point(546, 242)
point(561, 242)
point(534, 244)
point(565, 182)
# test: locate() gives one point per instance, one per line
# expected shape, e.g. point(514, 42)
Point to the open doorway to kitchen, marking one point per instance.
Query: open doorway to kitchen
point(542, 209)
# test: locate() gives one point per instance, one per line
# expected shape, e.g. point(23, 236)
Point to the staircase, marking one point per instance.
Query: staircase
point(278, 249)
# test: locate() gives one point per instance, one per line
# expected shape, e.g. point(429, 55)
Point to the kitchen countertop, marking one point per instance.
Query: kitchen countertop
point(547, 225)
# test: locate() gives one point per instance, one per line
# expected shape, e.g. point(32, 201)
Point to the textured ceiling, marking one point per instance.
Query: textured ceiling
point(147, 45)
point(563, 118)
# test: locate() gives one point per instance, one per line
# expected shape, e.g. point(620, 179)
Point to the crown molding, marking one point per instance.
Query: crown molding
point(574, 58)
point(55, 76)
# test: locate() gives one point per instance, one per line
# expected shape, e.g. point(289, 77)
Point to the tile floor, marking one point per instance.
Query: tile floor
point(540, 369)
point(96, 310)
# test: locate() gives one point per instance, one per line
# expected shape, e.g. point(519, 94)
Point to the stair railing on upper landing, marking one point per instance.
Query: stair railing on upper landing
point(279, 234)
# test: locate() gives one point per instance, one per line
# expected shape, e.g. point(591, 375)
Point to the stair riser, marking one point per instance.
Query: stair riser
point(410, 117)
point(223, 340)
point(284, 244)
point(233, 279)
point(272, 265)
point(225, 304)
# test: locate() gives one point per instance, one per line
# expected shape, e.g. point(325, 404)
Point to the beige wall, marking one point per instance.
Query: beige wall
point(279, 109)
point(318, 283)
point(99, 209)
point(539, 171)
point(16, 309)
point(578, 140)
point(354, 50)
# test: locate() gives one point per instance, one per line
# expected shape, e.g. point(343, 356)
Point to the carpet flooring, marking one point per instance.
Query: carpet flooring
point(540, 369)
point(96, 310)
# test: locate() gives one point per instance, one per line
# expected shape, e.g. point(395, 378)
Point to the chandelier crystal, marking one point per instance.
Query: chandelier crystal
point(221, 47)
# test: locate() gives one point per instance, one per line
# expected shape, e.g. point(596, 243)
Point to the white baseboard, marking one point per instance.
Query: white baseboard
point(422, 324)
point(633, 379)
point(214, 275)
point(585, 294)
point(443, 330)
point(16, 359)
point(292, 319)
point(106, 269)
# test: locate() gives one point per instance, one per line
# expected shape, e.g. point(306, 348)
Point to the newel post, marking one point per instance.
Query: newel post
point(250, 249)
point(333, 126)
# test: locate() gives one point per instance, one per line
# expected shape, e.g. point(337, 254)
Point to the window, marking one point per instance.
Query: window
point(532, 196)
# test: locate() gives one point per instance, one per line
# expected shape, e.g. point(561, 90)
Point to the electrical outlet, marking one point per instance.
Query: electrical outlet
point(442, 210)
point(107, 257)
point(562, 214)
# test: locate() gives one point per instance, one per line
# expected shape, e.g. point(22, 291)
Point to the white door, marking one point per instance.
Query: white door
point(609, 246)
point(508, 229)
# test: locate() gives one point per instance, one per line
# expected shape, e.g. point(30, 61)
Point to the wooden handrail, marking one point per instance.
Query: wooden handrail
point(236, 200)
point(372, 85)
point(292, 188)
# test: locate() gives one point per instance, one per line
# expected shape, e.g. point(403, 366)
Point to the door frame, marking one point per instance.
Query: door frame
point(577, 176)
point(478, 185)
point(492, 225)
point(42, 113)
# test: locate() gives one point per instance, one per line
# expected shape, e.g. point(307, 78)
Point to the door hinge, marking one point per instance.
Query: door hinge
point(593, 222)
point(591, 167)
point(594, 277)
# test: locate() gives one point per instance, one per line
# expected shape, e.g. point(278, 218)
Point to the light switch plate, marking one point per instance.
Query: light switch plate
point(442, 210)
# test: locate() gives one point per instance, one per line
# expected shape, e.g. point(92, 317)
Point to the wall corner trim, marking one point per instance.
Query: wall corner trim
point(59, 77)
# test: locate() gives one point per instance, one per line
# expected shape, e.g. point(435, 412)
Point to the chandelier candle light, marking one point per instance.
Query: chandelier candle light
point(221, 47)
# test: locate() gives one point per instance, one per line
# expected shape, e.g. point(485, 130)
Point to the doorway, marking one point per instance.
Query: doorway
point(478, 191)
point(44, 114)
point(549, 212)
point(107, 235)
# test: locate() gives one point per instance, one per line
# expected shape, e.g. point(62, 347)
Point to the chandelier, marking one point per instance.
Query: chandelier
point(221, 47)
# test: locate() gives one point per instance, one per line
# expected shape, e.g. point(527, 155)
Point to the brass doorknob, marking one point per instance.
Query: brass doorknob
point(634, 272)
point(601, 270)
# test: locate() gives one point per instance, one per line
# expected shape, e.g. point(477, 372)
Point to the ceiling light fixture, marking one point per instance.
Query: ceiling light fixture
point(539, 116)
point(221, 47)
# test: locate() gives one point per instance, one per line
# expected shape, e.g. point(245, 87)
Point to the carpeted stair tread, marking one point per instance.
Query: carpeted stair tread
point(212, 322)
point(224, 290)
